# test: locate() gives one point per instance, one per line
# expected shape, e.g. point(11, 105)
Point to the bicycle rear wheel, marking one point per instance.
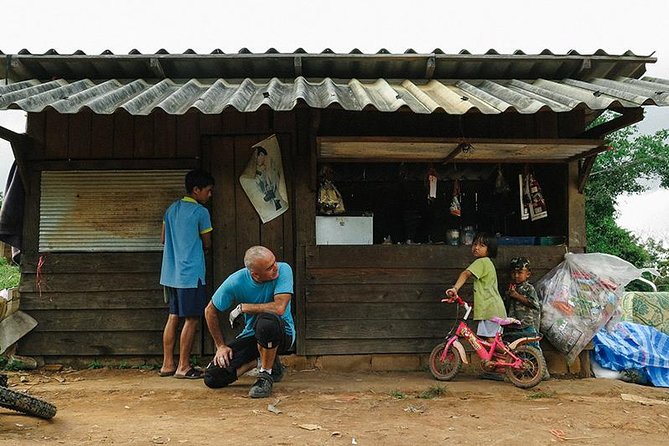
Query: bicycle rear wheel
point(22, 402)
point(532, 369)
point(447, 369)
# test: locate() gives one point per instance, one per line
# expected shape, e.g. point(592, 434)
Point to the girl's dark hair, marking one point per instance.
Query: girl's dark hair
point(198, 178)
point(488, 240)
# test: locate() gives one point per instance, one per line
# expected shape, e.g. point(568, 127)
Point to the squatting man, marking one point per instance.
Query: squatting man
point(261, 292)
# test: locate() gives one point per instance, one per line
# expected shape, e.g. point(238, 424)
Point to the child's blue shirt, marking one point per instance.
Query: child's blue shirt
point(183, 257)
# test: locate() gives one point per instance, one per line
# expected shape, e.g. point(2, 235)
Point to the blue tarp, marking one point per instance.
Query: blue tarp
point(634, 347)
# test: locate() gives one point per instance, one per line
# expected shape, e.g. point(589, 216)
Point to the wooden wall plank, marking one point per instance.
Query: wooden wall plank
point(374, 329)
point(93, 300)
point(124, 140)
point(101, 262)
point(36, 128)
point(247, 219)
point(422, 256)
point(93, 343)
point(164, 135)
point(224, 204)
point(57, 135)
point(188, 135)
point(372, 293)
point(110, 282)
point(102, 136)
point(211, 125)
point(384, 311)
point(79, 144)
point(100, 320)
point(304, 209)
point(144, 136)
point(369, 346)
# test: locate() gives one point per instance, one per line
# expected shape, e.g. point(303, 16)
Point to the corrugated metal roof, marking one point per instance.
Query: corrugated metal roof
point(490, 83)
point(141, 97)
point(327, 64)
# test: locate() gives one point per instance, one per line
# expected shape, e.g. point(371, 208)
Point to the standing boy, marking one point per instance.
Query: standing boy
point(186, 235)
point(523, 304)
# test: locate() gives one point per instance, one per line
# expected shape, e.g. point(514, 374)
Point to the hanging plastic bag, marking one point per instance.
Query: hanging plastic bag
point(330, 201)
point(432, 181)
point(455, 202)
point(580, 296)
point(501, 186)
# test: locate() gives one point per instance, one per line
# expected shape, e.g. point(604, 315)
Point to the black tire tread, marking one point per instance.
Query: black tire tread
point(24, 403)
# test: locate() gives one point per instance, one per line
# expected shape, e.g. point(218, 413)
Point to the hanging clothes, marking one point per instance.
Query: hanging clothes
point(455, 207)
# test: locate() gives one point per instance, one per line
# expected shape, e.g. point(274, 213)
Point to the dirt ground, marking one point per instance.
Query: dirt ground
point(319, 408)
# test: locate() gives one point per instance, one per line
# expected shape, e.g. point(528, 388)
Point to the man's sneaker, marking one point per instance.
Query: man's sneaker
point(262, 387)
point(277, 370)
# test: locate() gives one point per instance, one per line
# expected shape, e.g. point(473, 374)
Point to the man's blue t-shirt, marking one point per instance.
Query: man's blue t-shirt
point(240, 288)
point(183, 256)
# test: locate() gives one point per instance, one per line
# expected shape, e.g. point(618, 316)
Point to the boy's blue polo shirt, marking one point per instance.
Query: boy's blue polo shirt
point(183, 256)
point(240, 287)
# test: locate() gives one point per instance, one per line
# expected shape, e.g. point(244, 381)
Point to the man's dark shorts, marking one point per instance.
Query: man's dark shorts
point(187, 302)
point(269, 332)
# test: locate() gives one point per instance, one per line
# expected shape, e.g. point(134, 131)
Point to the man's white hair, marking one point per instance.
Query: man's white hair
point(253, 254)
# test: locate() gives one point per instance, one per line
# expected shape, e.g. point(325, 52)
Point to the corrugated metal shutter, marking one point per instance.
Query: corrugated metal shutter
point(110, 210)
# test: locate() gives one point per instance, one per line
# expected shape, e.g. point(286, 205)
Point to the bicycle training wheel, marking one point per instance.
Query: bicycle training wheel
point(22, 402)
point(447, 369)
point(532, 369)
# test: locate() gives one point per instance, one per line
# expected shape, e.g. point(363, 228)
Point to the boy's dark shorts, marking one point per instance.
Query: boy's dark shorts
point(187, 302)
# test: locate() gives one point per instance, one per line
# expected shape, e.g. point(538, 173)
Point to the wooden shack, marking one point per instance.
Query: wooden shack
point(109, 138)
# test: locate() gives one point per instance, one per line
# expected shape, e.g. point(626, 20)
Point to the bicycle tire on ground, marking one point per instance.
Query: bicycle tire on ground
point(27, 404)
point(445, 370)
point(533, 367)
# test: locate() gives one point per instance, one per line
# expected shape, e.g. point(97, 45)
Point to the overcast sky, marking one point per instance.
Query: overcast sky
point(477, 26)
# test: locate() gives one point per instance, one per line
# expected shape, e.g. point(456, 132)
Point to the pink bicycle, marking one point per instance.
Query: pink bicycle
point(523, 364)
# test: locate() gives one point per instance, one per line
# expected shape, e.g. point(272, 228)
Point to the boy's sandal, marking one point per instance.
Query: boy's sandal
point(192, 373)
point(167, 373)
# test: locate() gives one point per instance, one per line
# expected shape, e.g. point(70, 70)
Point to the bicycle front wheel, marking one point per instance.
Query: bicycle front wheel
point(446, 369)
point(22, 402)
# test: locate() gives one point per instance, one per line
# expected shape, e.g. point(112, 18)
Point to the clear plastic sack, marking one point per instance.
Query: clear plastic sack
point(330, 201)
point(580, 296)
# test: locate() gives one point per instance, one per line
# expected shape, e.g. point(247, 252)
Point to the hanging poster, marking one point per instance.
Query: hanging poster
point(263, 180)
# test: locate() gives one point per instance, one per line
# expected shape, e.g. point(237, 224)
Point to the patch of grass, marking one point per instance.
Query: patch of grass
point(95, 364)
point(194, 360)
point(123, 365)
point(146, 366)
point(398, 394)
point(541, 394)
point(8, 365)
point(9, 274)
point(432, 392)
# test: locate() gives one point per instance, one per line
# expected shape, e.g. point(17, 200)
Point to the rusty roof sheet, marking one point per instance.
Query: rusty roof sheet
point(490, 83)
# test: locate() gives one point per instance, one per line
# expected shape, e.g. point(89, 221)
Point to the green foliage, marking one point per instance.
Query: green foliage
point(432, 392)
point(541, 395)
point(9, 274)
point(123, 365)
point(398, 394)
point(628, 168)
point(95, 364)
